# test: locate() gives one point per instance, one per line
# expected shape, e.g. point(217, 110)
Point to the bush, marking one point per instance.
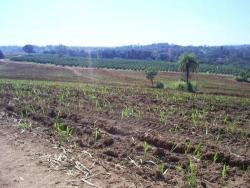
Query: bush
point(1, 55)
point(150, 74)
point(160, 85)
point(244, 77)
point(191, 88)
point(183, 86)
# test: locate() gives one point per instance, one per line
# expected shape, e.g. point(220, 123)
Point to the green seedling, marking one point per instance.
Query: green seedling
point(224, 172)
point(198, 151)
point(163, 117)
point(146, 147)
point(24, 124)
point(128, 112)
point(191, 175)
point(97, 134)
point(225, 119)
point(63, 130)
point(215, 157)
point(162, 168)
point(232, 128)
point(188, 148)
point(218, 136)
point(194, 117)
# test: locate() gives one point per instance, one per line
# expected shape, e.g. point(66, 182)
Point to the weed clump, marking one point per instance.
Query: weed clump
point(184, 86)
point(160, 85)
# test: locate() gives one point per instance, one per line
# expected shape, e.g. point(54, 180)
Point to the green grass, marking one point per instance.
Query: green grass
point(63, 130)
point(24, 124)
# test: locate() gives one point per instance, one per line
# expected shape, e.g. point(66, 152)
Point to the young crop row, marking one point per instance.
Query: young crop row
point(207, 117)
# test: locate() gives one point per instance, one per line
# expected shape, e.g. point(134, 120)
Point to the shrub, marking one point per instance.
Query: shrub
point(1, 55)
point(183, 86)
point(150, 74)
point(160, 85)
point(244, 77)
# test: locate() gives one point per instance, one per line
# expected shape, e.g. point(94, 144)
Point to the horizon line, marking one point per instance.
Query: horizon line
point(124, 45)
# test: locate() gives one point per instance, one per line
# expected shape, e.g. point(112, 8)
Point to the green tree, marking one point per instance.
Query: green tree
point(188, 63)
point(150, 74)
point(1, 55)
point(28, 48)
point(244, 76)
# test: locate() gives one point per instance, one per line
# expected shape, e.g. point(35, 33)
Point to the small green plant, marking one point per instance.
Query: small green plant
point(176, 128)
point(162, 168)
point(191, 175)
point(224, 172)
point(215, 157)
point(198, 151)
point(61, 98)
point(24, 124)
point(225, 119)
point(194, 117)
point(188, 148)
point(97, 134)
point(218, 136)
point(128, 111)
point(146, 147)
point(163, 116)
point(232, 128)
point(63, 130)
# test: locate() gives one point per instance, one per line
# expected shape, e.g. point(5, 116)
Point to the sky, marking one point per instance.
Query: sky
point(124, 22)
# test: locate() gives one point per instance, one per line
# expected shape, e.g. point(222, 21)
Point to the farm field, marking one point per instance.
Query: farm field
point(151, 137)
point(207, 83)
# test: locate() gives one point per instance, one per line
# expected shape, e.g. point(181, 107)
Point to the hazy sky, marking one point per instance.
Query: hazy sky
point(121, 22)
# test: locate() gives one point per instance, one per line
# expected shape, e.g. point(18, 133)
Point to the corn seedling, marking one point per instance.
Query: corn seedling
point(188, 148)
point(63, 130)
point(162, 168)
point(232, 128)
point(194, 117)
point(198, 151)
point(163, 117)
point(146, 147)
point(191, 175)
point(224, 172)
point(24, 124)
point(177, 128)
point(128, 112)
point(97, 134)
point(215, 157)
point(218, 136)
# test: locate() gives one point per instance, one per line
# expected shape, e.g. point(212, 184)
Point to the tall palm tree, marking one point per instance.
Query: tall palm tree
point(188, 63)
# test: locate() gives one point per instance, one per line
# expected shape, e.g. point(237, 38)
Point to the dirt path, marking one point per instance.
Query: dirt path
point(30, 159)
point(19, 165)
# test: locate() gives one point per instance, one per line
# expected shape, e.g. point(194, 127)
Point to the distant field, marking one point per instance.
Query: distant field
point(213, 84)
point(123, 63)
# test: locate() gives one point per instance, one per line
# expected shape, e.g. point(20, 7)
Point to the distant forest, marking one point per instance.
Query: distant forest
point(238, 56)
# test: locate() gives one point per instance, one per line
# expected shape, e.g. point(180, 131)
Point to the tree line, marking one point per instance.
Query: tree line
point(217, 55)
point(122, 63)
